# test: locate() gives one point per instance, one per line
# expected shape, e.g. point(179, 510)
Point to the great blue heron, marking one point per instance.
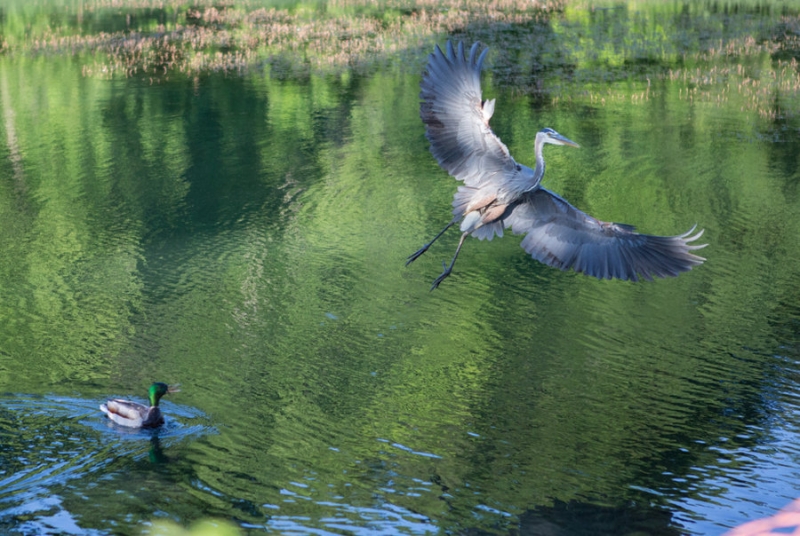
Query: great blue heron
point(500, 193)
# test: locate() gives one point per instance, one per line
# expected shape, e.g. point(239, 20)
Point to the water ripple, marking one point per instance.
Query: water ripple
point(50, 442)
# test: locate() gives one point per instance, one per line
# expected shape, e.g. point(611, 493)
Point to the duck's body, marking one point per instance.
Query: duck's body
point(135, 415)
point(131, 414)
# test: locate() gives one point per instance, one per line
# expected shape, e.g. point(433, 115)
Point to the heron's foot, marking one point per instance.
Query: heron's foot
point(414, 256)
point(447, 271)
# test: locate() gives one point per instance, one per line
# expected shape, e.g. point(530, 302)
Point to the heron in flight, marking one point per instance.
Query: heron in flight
point(499, 193)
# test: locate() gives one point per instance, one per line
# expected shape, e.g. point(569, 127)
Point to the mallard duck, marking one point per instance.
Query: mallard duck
point(133, 415)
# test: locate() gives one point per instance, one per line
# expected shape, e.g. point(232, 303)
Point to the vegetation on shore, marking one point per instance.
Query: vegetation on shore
point(540, 47)
point(160, 37)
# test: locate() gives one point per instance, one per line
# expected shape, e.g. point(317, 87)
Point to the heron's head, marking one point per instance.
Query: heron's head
point(548, 135)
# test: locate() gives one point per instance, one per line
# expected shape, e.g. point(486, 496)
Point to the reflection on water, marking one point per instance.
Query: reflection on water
point(245, 237)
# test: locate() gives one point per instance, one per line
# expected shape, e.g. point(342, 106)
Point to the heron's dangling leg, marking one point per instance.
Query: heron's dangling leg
point(448, 269)
point(424, 248)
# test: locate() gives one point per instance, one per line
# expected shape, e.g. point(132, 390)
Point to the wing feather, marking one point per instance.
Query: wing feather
point(126, 409)
point(456, 119)
point(562, 236)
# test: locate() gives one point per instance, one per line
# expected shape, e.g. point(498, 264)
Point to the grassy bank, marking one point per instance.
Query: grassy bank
point(554, 48)
point(156, 38)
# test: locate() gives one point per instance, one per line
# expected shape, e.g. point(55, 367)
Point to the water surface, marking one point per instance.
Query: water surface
point(246, 235)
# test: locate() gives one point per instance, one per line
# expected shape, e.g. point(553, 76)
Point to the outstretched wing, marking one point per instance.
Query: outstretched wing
point(457, 121)
point(562, 236)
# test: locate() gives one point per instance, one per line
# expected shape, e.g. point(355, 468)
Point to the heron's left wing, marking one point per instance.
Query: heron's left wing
point(562, 236)
point(457, 121)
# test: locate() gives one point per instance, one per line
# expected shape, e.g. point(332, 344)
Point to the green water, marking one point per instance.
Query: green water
point(245, 235)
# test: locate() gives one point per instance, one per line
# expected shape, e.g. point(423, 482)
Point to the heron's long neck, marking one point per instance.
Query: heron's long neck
point(538, 171)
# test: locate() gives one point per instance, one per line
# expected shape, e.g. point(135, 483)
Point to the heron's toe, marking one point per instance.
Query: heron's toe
point(447, 271)
point(414, 256)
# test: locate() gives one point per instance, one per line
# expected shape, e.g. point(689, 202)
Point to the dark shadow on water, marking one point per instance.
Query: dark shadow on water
point(575, 518)
point(578, 519)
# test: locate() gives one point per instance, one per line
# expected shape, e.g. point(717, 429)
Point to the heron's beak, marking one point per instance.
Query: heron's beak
point(561, 140)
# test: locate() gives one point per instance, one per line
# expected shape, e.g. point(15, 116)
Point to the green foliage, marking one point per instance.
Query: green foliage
point(201, 528)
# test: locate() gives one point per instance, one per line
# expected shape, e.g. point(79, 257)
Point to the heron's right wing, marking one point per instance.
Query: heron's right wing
point(457, 121)
point(562, 236)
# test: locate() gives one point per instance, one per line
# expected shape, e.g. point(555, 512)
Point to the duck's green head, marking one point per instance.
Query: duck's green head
point(159, 389)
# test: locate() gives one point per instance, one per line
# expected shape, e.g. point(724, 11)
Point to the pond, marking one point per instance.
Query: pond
point(244, 233)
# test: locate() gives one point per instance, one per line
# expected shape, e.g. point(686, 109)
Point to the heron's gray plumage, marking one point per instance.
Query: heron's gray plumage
point(562, 236)
point(499, 193)
point(457, 120)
